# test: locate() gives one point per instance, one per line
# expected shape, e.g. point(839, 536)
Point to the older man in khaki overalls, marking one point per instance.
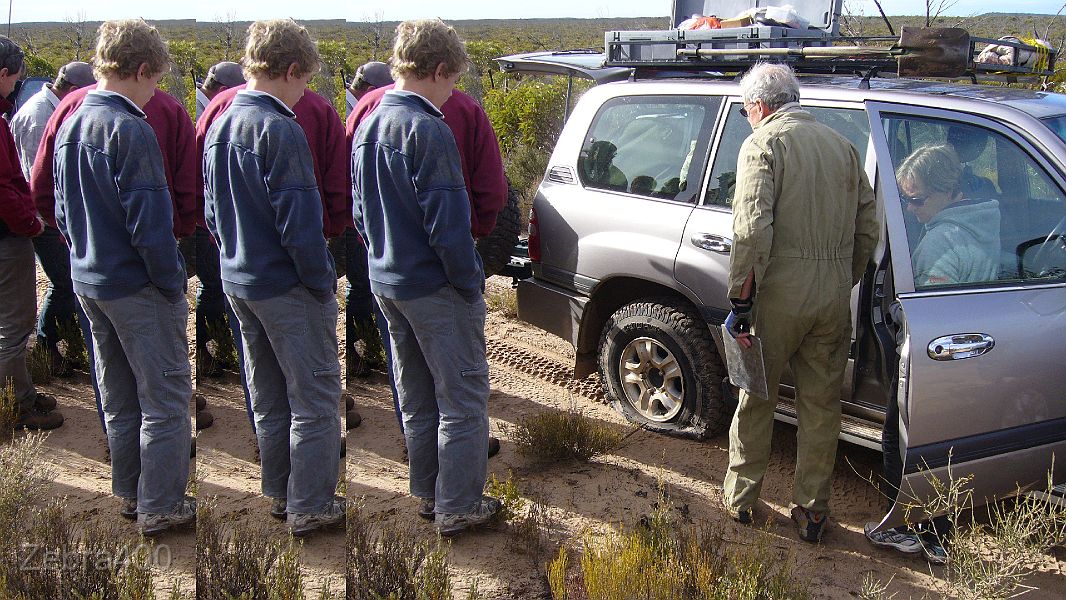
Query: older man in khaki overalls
point(804, 226)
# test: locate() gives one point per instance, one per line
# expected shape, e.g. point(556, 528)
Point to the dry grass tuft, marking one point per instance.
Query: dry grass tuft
point(558, 436)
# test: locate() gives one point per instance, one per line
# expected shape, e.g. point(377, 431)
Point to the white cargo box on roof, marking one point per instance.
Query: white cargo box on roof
point(821, 14)
point(634, 48)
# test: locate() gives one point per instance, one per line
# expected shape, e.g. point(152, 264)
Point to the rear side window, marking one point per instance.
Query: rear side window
point(1058, 125)
point(852, 123)
point(978, 208)
point(651, 146)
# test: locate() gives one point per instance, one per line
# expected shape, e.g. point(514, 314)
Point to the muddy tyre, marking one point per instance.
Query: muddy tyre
point(496, 248)
point(661, 369)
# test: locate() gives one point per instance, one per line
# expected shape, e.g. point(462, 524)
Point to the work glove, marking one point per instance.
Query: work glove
point(739, 319)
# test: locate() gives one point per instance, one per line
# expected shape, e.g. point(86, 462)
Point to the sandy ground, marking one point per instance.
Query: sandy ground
point(529, 373)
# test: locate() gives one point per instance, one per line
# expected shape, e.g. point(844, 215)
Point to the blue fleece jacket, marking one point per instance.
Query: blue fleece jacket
point(112, 202)
point(410, 203)
point(262, 202)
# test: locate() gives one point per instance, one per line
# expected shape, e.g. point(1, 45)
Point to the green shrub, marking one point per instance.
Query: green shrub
point(39, 363)
point(557, 436)
point(503, 301)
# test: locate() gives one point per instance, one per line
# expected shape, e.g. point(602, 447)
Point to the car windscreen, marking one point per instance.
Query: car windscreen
point(1057, 124)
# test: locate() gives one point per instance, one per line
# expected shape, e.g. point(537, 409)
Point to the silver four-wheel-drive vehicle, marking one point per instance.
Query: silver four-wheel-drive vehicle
point(630, 231)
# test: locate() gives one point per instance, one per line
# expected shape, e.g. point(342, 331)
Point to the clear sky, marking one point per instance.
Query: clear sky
point(362, 10)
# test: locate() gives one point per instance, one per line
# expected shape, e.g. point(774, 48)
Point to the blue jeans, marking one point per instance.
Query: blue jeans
point(142, 365)
point(442, 380)
point(60, 305)
point(18, 307)
point(210, 300)
point(359, 300)
point(294, 379)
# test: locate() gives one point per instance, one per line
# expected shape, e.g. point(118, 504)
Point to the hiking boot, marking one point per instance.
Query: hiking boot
point(494, 446)
point(349, 402)
point(129, 509)
point(44, 402)
point(425, 508)
point(204, 419)
point(201, 402)
point(352, 419)
point(449, 524)
point(742, 516)
point(39, 420)
point(277, 508)
point(897, 538)
point(156, 523)
point(301, 524)
point(811, 524)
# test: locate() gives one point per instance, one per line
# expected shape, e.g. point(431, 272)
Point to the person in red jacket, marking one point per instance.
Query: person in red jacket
point(18, 293)
point(174, 132)
point(482, 165)
point(325, 137)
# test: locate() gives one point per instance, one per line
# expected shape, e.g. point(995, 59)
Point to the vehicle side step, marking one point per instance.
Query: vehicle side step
point(851, 429)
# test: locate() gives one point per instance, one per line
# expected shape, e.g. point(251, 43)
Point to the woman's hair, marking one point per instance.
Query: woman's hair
point(274, 45)
point(123, 46)
point(936, 168)
point(422, 45)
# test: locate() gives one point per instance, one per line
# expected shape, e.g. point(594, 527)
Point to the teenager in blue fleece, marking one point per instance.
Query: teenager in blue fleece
point(411, 207)
point(114, 208)
point(263, 207)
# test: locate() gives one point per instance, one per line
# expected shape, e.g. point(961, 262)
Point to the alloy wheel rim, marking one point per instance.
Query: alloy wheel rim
point(651, 379)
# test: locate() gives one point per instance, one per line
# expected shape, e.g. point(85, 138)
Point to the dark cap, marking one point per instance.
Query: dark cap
point(224, 74)
point(75, 74)
point(375, 73)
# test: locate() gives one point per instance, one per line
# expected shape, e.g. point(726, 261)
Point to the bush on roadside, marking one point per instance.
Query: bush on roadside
point(662, 560)
point(244, 563)
point(557, 436)
point(8, 410)
point(39, 364)
point(503, 301)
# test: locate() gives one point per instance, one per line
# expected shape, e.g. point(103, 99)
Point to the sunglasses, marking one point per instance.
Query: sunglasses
point(744, 111)
point(915, 201)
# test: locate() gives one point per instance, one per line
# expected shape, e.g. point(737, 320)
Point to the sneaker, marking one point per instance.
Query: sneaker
point(425, 508)
point(39, 420)
point(933, 549)
point(156, 523)
point(44, 402)
point(449, 524)
point(201, 402)
point(349, 402)
point(811, 524)
point(204, 419)
point(494, 446)
point(129, 509)
point(352, 419)
point(897, 538)
point(301, 524)
point(277, 508)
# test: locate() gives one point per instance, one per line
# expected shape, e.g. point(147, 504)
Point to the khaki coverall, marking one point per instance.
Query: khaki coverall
point(805, 222)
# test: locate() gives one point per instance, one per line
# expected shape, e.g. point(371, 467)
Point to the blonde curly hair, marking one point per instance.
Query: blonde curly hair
point(123, 46)
point(275, 44)
point(423, 44)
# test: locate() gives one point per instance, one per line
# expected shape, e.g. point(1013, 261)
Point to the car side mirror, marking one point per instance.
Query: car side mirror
point(1042, 258)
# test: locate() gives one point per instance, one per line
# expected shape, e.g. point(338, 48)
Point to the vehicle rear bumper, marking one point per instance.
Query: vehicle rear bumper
point(551, 308)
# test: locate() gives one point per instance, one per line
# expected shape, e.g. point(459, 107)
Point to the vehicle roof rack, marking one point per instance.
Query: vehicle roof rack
point(920, 52)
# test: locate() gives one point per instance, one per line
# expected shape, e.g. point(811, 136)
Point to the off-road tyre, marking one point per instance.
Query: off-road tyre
point(677, 331)
point(496, 247)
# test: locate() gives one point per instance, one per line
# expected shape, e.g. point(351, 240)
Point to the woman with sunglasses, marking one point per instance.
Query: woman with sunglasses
point(960, 241)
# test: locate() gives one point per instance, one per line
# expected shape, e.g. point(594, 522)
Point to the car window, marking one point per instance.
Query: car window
point(652, 146)
point(852, 123)
point(1058, 125)
point(977, 207)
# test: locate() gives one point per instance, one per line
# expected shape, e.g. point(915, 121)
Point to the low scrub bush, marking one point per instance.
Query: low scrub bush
point(244, 563)
point(8, 410)
point(39, 363)
point(503, 301)
point(661, 560)
point(557, 436)
point(385, 562)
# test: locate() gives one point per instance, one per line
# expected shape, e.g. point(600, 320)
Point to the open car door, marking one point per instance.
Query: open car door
point(981, 288)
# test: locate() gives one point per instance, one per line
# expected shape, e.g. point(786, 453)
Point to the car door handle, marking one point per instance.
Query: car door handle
point(712, 242)
point(960, 346)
